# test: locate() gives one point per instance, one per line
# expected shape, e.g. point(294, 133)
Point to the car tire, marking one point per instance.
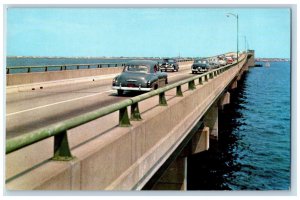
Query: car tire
point(120, 92)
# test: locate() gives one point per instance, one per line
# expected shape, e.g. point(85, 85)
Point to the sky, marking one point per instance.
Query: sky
point(146, 32)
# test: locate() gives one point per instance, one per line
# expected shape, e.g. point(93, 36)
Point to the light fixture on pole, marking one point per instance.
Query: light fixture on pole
point(237, 33)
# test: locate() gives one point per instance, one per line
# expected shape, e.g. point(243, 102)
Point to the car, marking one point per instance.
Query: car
point(214, 64)
point(229, 60)
point(169, 64)
point(139, 75)
point(200, 67)
point(222, 62)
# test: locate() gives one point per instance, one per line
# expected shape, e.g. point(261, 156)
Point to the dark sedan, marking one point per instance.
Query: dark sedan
point(200, 67)
point(169, 64)
point(140, 75)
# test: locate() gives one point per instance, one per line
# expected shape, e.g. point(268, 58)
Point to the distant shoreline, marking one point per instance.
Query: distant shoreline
point(78, 57)
point(272, 60)
point(109, 58)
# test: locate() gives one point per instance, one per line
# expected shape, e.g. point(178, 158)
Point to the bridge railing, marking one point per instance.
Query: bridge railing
point(59, 130)
point(30, 69)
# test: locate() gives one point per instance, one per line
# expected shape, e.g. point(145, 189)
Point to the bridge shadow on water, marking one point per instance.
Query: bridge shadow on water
point(210, 170)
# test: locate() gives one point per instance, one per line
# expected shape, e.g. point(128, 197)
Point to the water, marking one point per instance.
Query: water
point(24, 61)
point(15, 61)
point(253, 151)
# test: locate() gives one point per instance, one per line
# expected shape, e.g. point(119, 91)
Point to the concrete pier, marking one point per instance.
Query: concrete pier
point(211, 121)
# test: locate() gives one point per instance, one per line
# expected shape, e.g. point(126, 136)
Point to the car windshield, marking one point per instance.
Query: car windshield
point(136, 68)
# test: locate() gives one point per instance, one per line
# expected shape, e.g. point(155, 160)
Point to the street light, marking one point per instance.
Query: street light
point(246, 42)
point(237, 33)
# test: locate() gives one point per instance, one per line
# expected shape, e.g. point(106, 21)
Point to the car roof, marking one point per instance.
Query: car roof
point(142, 62)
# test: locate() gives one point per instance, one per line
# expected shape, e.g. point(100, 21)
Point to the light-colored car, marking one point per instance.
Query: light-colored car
point(222, 62)
point(140, 75)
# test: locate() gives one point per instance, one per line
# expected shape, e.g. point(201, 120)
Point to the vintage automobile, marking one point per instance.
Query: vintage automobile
point(229, 60)
point(140, 75)
point(200, 67)
point(169, 64)
point(222, 62)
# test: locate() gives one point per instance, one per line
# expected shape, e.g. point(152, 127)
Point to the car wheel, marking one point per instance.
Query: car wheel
point(120, 92)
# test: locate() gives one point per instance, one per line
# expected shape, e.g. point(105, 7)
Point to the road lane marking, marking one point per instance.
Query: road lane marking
point(69, 100)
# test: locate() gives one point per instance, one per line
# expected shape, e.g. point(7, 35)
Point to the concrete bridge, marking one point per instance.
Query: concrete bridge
point(76, 134)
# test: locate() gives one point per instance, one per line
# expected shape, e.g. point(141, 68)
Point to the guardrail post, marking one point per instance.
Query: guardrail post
point(200, 80)
point(61, 147)
point(100, 66)
point(107, 65)
point(46, 68)
point(179, 91)
point(123, 118)
point(206, 78)
point(211, 76)
point(7, 70)
point(162, 99)
point(28, 70)
point(192, 85)
point(135, 113)
point(116, 65)
point(89, 66)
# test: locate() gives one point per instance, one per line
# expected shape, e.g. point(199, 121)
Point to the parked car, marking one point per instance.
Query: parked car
point(169, 64)
point(140, 75)
point(200, 67)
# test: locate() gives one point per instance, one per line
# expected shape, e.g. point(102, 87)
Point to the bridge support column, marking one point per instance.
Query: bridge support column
point(240, 76)
point(200, 141)
point(175, 177)
point(211, 120)
point(234, 85)
point(224, 100)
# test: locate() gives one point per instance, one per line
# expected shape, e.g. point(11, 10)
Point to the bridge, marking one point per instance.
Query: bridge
point(67, 130)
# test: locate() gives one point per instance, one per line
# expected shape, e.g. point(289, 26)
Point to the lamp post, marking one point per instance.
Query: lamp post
point(246, 49)
point(245, 40)
point(237, 33)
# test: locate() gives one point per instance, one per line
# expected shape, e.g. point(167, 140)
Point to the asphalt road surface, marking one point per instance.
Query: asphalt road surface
point(27, 111)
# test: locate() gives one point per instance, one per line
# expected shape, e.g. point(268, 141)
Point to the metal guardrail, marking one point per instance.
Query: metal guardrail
point(29, 69)
point(59, 130)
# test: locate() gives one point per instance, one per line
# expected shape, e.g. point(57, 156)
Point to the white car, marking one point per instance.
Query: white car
point(222, 62)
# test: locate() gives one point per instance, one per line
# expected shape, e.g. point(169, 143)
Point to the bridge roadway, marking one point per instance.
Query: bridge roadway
point(106, 156)
point(29, 110)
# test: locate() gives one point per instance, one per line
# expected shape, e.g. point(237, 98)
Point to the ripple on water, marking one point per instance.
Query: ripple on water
point(253, 151)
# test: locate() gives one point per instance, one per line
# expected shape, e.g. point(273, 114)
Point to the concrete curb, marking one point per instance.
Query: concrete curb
point(48, 84)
